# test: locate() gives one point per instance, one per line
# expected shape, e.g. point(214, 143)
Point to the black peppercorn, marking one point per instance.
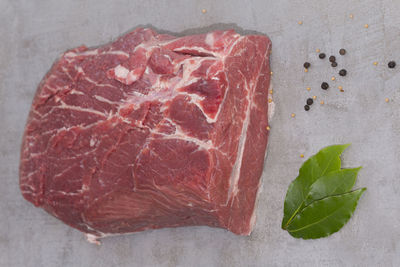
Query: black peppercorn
point(392, 64)
point(332, 58)
point(306, 65)
point(324, 85)
point(342, 51)
point(307, 107)
point(322, 56)
point(334, 64)
point(342, 72)
point(310, 101)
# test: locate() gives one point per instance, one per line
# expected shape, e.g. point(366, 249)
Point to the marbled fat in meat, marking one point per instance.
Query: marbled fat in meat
point(151, 131)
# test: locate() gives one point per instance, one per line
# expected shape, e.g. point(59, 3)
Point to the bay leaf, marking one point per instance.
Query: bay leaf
point(325, 161)
point(324, 217)
point(333, 183)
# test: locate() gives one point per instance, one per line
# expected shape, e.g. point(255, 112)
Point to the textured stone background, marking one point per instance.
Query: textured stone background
point(34, 33)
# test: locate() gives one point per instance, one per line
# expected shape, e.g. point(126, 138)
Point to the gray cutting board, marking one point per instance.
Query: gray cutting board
point(34, 33)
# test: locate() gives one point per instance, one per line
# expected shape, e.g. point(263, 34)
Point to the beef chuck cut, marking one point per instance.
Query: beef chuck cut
point(151, 131)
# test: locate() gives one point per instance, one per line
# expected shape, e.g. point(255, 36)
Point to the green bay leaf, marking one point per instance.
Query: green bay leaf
point(324, 217)
point(333, 183)
point(325, 161)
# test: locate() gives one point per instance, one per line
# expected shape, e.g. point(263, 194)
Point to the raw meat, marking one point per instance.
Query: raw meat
point(151, 131)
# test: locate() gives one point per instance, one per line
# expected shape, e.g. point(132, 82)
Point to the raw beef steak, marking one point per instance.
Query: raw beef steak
point(151, 131)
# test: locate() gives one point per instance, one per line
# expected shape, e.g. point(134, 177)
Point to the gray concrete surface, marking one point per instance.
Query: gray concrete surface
point(34, 33)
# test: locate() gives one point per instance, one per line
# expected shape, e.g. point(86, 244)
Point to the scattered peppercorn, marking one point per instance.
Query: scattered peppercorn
point(314, 97)
point(334, 64)
point(332, 59)
point(342, 51)
point(317, 50)
point(324, 85)
point(310, 101)
point(333, 78)
point(306, 65)
point(342, 72)
point(322, 56)
point(306, 107)
point(308, 88)
point(392, 64)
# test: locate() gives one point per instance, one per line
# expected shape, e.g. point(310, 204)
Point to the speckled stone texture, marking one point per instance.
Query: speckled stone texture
point(34, 33)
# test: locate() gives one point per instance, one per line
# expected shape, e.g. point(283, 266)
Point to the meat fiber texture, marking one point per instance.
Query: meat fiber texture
point(151, 131)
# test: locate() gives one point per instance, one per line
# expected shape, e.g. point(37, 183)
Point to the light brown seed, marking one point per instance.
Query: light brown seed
point(293, 115)
point(301, 155)
point(204, 11)
point(314, 97)
point(386, 100)
point(322, 102)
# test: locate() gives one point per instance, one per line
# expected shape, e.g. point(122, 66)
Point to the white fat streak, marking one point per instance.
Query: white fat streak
point(65, 70)
point(161, 96)
point(92, 142)
point(116, 52)
point(64, 171)
point(238, 163)
point(98, 84)
point(210, 39)
point(121, 72)
point(79, 69)
point(180, 135)
point(77, 108)
point(105, 100)
point(76, 92)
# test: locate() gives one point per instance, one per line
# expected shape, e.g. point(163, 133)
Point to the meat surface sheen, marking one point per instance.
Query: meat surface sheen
point(151, 131)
